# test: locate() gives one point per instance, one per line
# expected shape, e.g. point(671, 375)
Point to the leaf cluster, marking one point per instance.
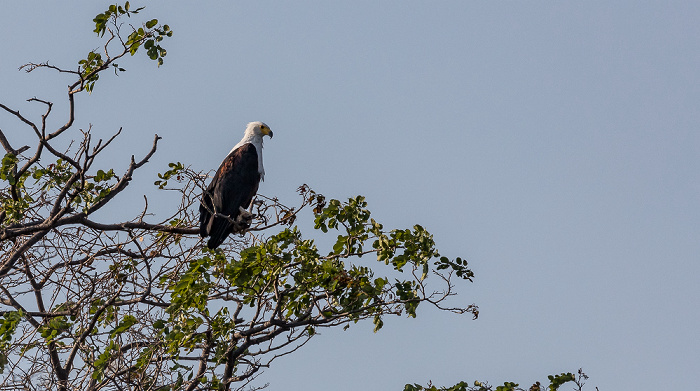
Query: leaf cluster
point(175, 171)
point(8, 325)
point(231, 303)
point(33, 187)
point(555, 382)
point(114, 11)
point(14, 201)
point(149, 36)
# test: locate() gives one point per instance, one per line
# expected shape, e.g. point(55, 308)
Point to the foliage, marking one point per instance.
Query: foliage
point(150, 35)
point(138, 305)
point(555, 382)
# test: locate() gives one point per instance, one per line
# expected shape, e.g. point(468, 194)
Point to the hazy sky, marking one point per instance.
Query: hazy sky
point(555, 145)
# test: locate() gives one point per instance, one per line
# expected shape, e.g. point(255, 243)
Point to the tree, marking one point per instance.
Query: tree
point(139, 305)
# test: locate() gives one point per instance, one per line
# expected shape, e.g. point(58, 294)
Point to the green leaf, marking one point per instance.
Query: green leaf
point(339, 244)
point(124, 325)
point(378, 323)
point(3, 361)
point(557, 380)
point(103, 360)
point(8, 326)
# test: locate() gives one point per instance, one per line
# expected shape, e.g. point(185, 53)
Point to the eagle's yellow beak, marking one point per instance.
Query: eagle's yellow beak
point(266, 131)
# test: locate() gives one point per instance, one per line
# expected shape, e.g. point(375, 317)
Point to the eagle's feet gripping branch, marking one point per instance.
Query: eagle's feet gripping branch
point(243, 220)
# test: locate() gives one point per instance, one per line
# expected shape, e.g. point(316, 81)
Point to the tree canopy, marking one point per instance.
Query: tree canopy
point(144, 305)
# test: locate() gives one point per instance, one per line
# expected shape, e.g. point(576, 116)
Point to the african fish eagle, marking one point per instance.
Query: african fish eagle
point(234, 185)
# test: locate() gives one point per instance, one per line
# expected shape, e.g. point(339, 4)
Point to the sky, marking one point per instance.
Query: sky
point(554, 145)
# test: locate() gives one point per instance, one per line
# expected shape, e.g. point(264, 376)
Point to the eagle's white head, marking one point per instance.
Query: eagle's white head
point(258, 129)
point(254, 133)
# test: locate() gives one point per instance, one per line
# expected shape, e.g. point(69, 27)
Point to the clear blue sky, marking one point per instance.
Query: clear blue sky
point(555, 145)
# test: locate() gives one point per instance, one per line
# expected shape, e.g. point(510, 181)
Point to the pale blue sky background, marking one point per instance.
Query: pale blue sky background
point(554, 145)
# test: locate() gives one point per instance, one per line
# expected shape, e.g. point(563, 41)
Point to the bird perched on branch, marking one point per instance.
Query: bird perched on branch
point(224, 203)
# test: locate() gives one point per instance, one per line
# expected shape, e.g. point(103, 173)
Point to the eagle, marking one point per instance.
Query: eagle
point(233, 187)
